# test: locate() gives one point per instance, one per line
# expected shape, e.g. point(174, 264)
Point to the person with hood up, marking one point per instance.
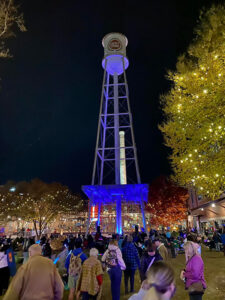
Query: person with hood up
point(114, 264)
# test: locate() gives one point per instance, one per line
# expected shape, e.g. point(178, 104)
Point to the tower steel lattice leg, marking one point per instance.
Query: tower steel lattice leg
point(99, 213)
point(143, 214)
point(131, 125)
point(118, 216)
point(89, 217)
point(99, 126)
point(116, 129)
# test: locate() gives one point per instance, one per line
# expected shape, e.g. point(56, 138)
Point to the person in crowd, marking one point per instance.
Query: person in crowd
point(136, 235)
point(71, 243)
point(151, 235)
point(124, 241)
point(91, 277)
point(60, 251)
point(193, 275)
point(223, 241)
point(26, 244)
point(119, 241)
point(11, 260)
point(114, 264)
point(79, 238)
point(91, 243)
point(37, 279)
point(73, 266)
point(175, 245)
point(217, 240)
point(161, 282)
point(43, 240)
point(4, 269)
point(193, 238)
point(162, 249)
point(46, 249)
point(168, 234)
point(132, 262)
point(150, 256)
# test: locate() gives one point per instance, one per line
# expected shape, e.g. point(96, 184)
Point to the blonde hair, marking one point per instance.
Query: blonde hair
point(113, 242)
point(159, 277)
point(190, 250)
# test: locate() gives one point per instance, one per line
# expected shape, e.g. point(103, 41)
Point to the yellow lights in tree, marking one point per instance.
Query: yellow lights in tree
point(10, 17)
point(194, 109)
point(38, 202)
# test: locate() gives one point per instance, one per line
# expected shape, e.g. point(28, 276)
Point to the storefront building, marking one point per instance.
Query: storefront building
point(205, 214)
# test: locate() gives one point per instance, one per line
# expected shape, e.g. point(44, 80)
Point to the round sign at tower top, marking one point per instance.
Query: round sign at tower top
point(114, 44)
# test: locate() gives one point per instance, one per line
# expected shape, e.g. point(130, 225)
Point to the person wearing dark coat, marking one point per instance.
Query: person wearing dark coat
point(217, 240)
point(150, 256)
point(132, 262)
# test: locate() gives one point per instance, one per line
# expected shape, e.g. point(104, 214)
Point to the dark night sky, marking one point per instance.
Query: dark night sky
point(50, 90)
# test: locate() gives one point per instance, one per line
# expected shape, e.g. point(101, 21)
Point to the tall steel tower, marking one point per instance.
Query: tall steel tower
point(116, 177)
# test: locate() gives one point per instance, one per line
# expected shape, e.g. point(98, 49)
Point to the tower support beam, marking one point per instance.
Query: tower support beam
point(116, 129)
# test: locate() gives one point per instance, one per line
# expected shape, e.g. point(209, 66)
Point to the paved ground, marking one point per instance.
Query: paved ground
point(214, 275)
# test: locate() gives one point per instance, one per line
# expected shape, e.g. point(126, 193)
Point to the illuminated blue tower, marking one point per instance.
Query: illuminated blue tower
point(116, 177)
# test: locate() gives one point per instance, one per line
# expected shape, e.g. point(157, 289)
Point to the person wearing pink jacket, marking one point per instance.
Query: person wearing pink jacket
point(193, 275)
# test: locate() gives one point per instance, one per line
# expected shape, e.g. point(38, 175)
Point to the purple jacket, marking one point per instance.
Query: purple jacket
point(194, 271)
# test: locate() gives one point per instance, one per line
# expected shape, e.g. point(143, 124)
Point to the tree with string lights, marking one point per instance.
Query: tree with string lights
point(167, 202)
point(37, 202)
point(10, 18)
point(194, 109)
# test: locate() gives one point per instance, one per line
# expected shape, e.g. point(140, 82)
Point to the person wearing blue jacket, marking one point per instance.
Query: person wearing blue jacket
point(132, 262)
point(11, 261)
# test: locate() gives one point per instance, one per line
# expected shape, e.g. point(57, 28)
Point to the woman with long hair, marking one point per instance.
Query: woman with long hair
point(114, 264)
point(193, 275)
point(161, 282)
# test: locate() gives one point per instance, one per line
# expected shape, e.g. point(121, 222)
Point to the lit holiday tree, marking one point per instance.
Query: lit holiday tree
point(10, 17)
point(194, 109)
point(37, 202)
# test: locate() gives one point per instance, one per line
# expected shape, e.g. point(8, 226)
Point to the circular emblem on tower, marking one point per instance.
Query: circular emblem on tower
point(114, 45)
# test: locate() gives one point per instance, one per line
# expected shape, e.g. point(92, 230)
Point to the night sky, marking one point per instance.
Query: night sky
point(50, 90)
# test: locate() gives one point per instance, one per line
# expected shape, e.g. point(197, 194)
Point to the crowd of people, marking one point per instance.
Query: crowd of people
point(78, 263)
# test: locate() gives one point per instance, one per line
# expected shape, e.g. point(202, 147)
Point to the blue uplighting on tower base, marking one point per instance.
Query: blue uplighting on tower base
point(117, 194)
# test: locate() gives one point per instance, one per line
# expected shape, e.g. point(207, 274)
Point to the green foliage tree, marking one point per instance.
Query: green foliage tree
point(37, 202)
point(194, 109)
point(10, 18)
